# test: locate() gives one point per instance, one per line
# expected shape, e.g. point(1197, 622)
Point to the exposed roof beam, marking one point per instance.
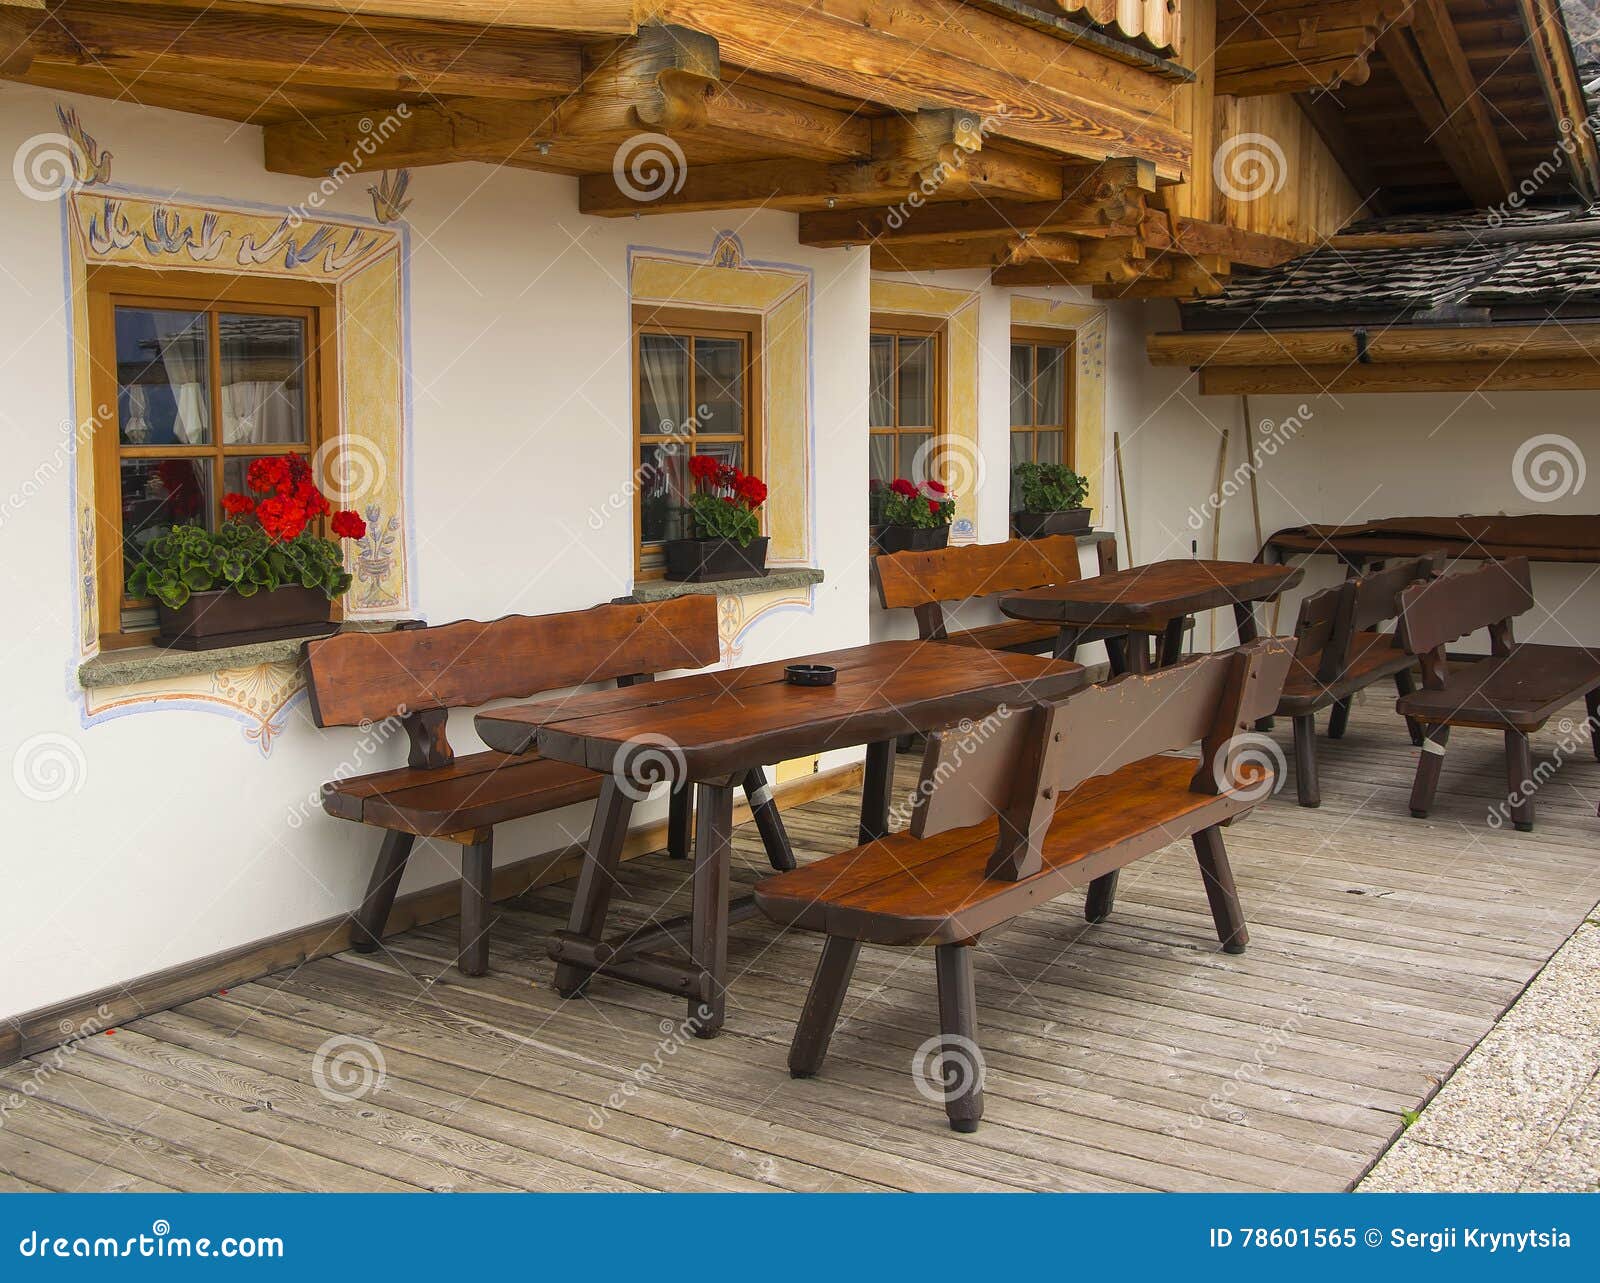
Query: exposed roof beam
point(24, 29)
point(580, 17)
point(1422, 376)
point(1203, 277)
point(1551, 48)
point(984, 252)
point(1288, 46)
point(1114, 261)
point(1399, 344)
point(1506, 234)
point(288, 50)
point(1194, 237)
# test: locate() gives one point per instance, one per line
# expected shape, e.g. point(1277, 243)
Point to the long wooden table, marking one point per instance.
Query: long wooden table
point(1156, 597)
point(710, 730)
point(1553, 537)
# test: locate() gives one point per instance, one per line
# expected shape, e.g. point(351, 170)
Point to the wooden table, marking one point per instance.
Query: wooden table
point(1159, 596)
point(710, 729)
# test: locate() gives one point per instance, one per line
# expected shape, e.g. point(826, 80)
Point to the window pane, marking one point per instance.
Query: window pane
point(723, 451)
point(1052, 386)
point(263, 379)
point(1021, 392)
point(158, 494)
point(719, 386)
point(880, 402)
point(1051, 447)
point(880, 457)
point(915, 456)
point(663, 488)
point(663, 384)
point(916, 383)
point(163, 377)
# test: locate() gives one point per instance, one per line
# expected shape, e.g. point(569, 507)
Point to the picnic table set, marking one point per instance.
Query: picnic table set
point(1035, 780)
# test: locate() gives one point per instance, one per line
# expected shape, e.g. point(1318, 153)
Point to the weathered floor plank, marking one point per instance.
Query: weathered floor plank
point(1131, 1054)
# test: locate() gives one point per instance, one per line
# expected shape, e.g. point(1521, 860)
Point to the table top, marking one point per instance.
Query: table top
point(1160, 591)
point(1540, 536)
point(707, 725)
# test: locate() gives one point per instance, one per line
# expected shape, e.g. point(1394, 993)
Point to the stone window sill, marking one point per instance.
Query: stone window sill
point(152, 663)
point(779, 580)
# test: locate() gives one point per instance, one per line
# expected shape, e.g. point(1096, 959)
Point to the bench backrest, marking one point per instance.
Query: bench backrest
point(1443, 610)
point(1378, 592)
point(419, 673)
point(926, 581)
point(1323, 629)
point(1017, 766)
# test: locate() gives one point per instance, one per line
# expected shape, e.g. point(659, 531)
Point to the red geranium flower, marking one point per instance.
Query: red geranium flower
point(933, 506)
point(904, 488)
point(703, 467)
point(266, 475)
point(238, 505)
point(349, 525)
point(753, 491)
point(934, 487)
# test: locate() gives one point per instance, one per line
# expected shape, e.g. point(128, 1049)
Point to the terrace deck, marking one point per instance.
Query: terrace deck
point(1128, 1055)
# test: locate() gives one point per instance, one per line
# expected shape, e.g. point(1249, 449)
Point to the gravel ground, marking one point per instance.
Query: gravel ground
point(1523, 1110)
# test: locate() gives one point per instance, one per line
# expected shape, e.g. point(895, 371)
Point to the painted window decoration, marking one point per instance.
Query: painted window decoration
point(1041, 398)
point(696, 375)
point(904, 407)
point(200, 388)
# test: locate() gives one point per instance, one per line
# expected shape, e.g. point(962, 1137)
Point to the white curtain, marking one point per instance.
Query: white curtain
point(259, 413)
point(665, 362)
point(880, 404)
point(136, 431)
point(183, 356)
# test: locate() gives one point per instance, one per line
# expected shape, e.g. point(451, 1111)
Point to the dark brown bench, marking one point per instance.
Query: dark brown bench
point(1515, 690)
point(1339, 651)
point(1057, 796)
point(418, 674)
point(926, 582)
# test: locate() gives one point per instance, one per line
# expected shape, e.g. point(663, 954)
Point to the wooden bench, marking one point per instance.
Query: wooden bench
point(418, 674)
point(1338, 651)
point(1515, 690)
point(1056, 796)
point(926, 582)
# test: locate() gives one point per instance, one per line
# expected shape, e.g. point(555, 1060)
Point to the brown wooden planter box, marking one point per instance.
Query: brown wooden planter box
point(212, 620)
point(912, 538)
point(1038, 525)
point(707, 561)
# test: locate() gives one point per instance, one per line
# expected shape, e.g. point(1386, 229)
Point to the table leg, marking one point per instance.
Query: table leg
point(708, 936)
point(1244, 618)
point(1138, 653)
point(1066, 646)
point(875, 791)
point(603, 852)
point(1172, 642)
point(774, 837)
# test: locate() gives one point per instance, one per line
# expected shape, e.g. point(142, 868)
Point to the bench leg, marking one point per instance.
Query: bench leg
point(959, 1062)
point(1430, 762)
point(1102, 896)
point(875, 790)
point(774, 837)
point(1339, 719)
point(1066, 644)
point(708, 932)
point(602, 854)
point(477, 903)
point(1519, 780)
point(680, 822)
point(386, 874)
point(823, 1004)
point(1116, 654)
point(1308, 787)
point(1591, 702)
point(1217, 874)
point(1172, 642)
point(1405, 684)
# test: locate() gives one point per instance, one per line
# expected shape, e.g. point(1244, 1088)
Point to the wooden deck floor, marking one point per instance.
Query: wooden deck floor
point(1131, 1055)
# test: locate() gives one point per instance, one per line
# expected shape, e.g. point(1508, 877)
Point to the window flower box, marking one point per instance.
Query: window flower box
point(722, 512)
point(914, 518)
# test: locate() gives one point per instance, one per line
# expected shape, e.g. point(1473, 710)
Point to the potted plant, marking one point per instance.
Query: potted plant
point(915, 517)
point(263, 575)
point(1050, 496)
point(727, 542)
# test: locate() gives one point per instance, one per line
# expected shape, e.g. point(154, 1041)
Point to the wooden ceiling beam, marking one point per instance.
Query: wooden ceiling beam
point(1202, 277)
point(1194, 237)
point(26, 32)
point(577, 17)
point(136, 41)
point(1397, 345)
point(1426, 376)
point(1113, 261)
point(1288, 46)
point(1556, 67)
point(975, 252)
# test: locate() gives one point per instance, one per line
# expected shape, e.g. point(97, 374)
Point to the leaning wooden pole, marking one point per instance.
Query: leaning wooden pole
point(1122, 500)
point(1216, 517)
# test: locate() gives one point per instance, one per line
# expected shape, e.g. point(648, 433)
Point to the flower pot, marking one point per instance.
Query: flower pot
point(1037, 525)
point(912, 538)
point(708, 561)
point(211, 620)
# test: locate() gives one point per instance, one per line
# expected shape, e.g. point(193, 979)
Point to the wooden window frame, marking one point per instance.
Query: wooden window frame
point(109, 287)
point(694, 322)
point(1035, 337)
point(914, 327)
